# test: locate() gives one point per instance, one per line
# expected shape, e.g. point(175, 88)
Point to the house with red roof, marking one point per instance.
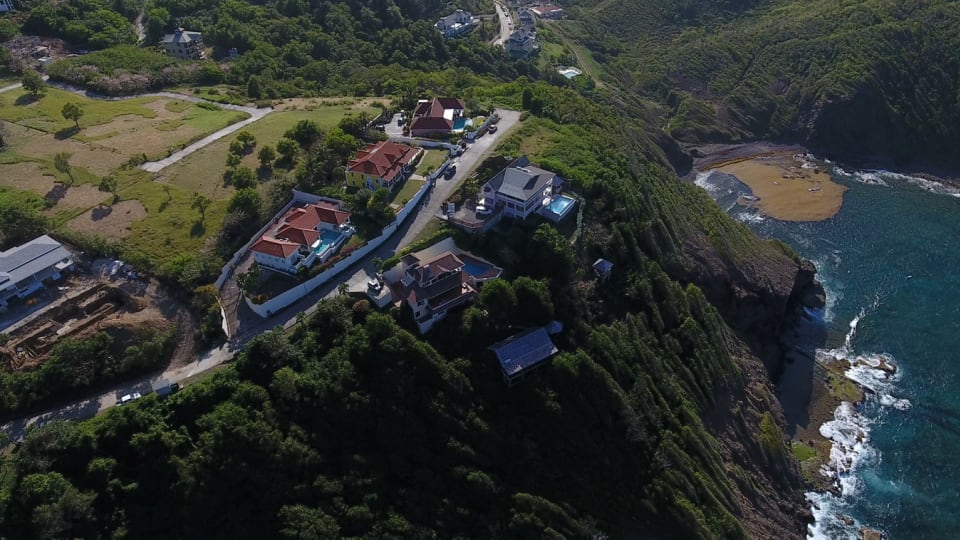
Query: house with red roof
point(548, 11)
point(306, 233)
point(436, 117)
point(433, 287)
point(383, 164)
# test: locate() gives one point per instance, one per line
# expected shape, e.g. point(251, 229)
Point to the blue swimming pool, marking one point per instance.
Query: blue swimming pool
point(475, 268)
point(560, 204)
point(327, 239)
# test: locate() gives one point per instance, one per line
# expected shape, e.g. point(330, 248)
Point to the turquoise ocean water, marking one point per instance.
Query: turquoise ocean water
point(890, 263)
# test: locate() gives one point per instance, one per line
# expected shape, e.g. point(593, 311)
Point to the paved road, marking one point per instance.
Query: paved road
point(11, 87)
point(355, 276)
point(506, 24)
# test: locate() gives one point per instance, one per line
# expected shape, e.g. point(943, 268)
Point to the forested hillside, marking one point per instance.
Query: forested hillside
point(655, 419)
point(855, 79)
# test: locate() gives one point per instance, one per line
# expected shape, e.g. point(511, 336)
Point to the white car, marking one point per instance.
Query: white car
point(128, 398)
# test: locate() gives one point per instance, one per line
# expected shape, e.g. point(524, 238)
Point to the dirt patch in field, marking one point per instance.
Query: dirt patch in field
point(160, 107)
point(26, 176)
point(98, 160)
point(83, 196)
point(111, 222)
point(149, 140)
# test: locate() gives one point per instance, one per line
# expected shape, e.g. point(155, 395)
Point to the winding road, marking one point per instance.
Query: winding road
point(251, 325)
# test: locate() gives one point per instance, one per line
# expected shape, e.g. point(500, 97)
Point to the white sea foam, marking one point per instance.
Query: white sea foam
point(849, 431)
point(884, 178)
point(703, 180)
point(751, 217)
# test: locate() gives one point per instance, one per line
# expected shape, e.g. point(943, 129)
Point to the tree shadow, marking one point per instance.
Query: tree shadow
point(199, 227)
point(57, 192)
point(27, 99)
point(66, 133)
point(100, 212)
point(264, 173)
point(164, 205)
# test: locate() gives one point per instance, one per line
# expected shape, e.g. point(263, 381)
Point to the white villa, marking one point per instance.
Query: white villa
point(519, 190)
point(305, 234)
point(456, 24)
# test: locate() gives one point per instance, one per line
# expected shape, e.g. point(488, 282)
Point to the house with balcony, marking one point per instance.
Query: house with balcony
point(456, 24)
point(525, 17)
point(519, 190)
point(384, 164)
point(184, 44)
point(437, 117)
point(433, 286)
point(523, 42)
point(25, 268)
point(304, 235)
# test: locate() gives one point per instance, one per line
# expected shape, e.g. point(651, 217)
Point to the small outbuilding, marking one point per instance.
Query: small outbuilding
point(602, 269)
point(522, 353)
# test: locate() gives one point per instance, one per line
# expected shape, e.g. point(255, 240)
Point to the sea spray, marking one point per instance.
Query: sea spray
point(849, 433)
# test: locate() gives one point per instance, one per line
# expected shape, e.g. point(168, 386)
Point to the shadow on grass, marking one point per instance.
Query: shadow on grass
point(100, 212)
point(57, 192)
point(164, 205)
point(199, 227)
point(264, 173)
point(66, 133)
point(27, 99)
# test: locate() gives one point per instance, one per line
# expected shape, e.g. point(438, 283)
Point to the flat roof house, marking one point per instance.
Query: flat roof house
point(24, 268)
point(434, 286)
point(519, 190)
point(184, 44)
point(383, 164)
point(436, 117)
point(522, 353)
point(456, 24)
point(548, 11)
point(305, 234)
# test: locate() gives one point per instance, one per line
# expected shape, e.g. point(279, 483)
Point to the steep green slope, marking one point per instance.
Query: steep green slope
point(856, 79)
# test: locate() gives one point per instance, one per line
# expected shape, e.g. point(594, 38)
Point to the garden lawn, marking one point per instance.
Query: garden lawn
point(430, 161)
point(405, 193)
point(44, 113)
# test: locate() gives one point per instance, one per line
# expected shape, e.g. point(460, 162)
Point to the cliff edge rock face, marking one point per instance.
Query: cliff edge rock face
point(758, 294)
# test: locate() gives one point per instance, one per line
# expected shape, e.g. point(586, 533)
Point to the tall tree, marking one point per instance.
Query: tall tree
point(109, 184)
point(72, 111)
point(200, 204)
point(266, 156)
point(33, 83)
point(61, 162)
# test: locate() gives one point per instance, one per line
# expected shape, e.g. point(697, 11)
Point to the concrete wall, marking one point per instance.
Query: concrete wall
point(275, 304)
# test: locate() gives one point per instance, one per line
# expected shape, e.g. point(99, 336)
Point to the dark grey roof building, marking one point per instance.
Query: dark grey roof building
point(523, 352)
point(24, 268)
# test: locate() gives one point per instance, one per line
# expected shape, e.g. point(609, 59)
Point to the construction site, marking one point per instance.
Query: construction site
point(122, 308)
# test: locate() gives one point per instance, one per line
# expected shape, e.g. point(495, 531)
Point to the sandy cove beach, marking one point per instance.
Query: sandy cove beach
point(790, 187)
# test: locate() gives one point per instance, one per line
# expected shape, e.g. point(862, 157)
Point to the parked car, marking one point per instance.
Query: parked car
point(492, 128)
point(171, 388)
point(128, 398)
point(451, 170)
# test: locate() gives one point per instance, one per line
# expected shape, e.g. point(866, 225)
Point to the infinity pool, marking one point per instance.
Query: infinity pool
point(327, 239)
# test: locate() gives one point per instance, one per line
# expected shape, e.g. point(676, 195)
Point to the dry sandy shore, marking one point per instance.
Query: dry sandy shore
point(787, 189)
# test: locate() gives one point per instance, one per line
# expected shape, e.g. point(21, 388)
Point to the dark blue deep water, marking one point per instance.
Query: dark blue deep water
point(890, 262)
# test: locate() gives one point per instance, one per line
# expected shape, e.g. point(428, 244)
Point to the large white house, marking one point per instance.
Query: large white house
point(456, 24)
point(519, 190)
point(24, 268)
point(184, 44)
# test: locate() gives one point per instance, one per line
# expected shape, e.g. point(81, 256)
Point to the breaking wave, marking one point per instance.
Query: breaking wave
point(849, 431)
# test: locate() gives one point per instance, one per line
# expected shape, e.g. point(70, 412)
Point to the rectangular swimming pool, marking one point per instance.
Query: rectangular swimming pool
point(327, 239)
point(475, 268)
point(560, 204)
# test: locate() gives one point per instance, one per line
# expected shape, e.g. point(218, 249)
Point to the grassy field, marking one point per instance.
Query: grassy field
point(430, 161)
point(203, 171)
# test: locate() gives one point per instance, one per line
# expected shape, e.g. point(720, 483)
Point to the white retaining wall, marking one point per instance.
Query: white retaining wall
point(275, 304)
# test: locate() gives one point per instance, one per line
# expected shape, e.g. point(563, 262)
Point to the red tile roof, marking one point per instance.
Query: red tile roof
point(308, 217)
point(277, 248)
point(382, 160)
point(303, 237)
point(429, 124)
